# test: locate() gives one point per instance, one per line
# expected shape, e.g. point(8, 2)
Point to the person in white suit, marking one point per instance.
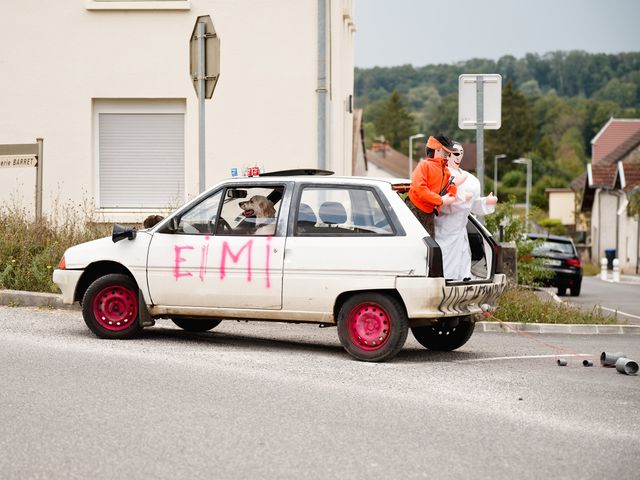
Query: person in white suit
point(451, 224)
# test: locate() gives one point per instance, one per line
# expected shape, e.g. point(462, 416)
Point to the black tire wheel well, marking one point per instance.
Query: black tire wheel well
point(344, 296)
point(195, 324)
point(372, 325)
point(111, 307)
point(95, 271)
point(448, 334)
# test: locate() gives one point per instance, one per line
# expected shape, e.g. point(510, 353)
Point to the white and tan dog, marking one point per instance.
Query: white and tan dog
point(262, 209)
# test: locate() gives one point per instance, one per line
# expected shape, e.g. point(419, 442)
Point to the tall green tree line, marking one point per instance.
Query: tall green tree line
point(553, 126)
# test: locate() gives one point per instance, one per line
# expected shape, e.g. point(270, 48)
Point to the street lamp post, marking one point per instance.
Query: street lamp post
point(411, 139)
point(527, 162)
point(495, 172)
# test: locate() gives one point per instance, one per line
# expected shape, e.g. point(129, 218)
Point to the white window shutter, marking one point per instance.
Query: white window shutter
point(141, 160)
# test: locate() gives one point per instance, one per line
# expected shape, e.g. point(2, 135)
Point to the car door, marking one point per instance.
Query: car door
point(342, 238)
point(214, 256)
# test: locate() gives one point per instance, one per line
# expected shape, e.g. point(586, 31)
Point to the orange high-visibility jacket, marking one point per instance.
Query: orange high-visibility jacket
point(427, 181)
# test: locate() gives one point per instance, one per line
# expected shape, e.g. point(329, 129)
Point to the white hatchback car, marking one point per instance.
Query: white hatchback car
point(334, 251)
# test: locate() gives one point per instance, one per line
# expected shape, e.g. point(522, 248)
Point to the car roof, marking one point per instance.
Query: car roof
point(553, 238)
point(318, 179)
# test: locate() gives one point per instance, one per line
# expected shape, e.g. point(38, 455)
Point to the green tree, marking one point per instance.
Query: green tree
point(622, 93)
point(395, 121)
point(538, 195)
point(531, 271)
point(515, 136)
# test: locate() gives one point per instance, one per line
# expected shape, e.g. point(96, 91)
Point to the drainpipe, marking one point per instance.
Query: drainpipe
point(322, 89)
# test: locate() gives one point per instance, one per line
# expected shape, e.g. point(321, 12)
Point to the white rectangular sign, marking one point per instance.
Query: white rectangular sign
point(8, 161)
point(467, 104)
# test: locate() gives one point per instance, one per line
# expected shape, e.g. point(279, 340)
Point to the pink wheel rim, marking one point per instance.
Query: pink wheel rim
point(369, 326)
point(115, 308)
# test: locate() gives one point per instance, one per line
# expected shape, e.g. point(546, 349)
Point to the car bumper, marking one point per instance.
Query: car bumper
point(433, 298)
point(67, 280)
point(565, 277)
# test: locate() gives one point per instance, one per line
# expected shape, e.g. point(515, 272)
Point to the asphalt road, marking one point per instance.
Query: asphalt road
point(613, 297)
point(265, 400)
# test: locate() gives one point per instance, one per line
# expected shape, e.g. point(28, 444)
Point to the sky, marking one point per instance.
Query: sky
point(421, 32)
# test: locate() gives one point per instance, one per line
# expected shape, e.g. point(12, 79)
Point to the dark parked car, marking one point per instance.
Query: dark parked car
point(560, 255)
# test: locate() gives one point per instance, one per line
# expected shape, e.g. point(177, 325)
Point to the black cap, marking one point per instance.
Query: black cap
point(446, 142)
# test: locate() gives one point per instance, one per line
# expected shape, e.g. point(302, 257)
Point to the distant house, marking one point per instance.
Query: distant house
point(562, 205)
point(614, 172)
point(384, 161)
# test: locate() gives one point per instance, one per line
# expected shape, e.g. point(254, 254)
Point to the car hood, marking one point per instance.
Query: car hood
point(132, 253)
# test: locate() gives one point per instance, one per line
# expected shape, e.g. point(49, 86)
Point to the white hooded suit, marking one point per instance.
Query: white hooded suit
point(451, 226)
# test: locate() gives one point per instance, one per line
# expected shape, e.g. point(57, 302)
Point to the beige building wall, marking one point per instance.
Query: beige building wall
point(562, 206)
point(62, 62)
point(604, 223)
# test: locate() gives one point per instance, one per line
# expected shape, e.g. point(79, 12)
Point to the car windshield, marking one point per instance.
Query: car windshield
point(555, 247)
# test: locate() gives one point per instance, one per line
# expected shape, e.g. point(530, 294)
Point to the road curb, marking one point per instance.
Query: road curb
point(574, 329)
point(18, 298)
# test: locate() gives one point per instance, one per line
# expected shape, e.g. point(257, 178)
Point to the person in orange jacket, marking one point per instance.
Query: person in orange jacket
point(432, 184)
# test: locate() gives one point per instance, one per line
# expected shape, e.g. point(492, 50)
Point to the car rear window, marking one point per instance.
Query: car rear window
point(548, 246)
point(341, 211)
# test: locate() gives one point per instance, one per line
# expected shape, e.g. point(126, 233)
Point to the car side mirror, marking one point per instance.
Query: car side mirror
point(120, 233)
point(173, 225)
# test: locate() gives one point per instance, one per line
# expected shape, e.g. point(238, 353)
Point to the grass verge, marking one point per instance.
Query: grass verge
point(525, 306)
point(30, 249)
point(590, 269)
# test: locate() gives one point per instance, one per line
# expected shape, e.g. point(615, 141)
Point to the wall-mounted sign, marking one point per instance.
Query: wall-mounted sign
point(25, 155)
point(8, 161)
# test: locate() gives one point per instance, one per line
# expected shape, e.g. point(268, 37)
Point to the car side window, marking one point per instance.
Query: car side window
point(250, 210)
point(341, 211)
point(201, 219)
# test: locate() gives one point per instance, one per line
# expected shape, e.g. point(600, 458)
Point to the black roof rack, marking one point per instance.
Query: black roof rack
point(297, 171)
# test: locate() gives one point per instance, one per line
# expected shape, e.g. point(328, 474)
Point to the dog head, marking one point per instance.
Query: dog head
point(151, 220)
point(258, 206)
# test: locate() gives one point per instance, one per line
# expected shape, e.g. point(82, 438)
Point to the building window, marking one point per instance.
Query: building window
point(140, 160)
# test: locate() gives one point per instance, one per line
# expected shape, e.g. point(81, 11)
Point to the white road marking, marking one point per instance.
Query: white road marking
point(619, 312)
point(524, 357)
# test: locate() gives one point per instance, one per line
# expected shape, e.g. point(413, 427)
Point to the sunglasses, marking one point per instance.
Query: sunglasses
point(456, 154)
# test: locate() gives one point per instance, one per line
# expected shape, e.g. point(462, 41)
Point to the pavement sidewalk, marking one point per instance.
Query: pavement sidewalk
point(16, 298)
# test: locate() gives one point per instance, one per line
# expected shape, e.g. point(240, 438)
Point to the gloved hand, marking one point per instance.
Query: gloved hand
point(448, 199)
point(459, 179)
point(491, 199)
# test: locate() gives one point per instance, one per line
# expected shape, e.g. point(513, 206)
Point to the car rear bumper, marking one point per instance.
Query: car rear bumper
point(564, 278)
point(67, 281)
point(431, 298)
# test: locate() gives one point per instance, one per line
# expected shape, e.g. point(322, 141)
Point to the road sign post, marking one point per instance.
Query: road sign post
point(480, 108)
point(204, 69)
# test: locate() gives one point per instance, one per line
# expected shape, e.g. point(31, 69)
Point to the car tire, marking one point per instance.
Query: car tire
point(443, 336)
point(562, 291)
point(575, 289)
point(372, 327)
point(110, 307)
point(196, 324)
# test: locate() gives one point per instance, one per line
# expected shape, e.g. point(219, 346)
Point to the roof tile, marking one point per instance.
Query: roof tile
point(612, 136)
point(603, 176)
